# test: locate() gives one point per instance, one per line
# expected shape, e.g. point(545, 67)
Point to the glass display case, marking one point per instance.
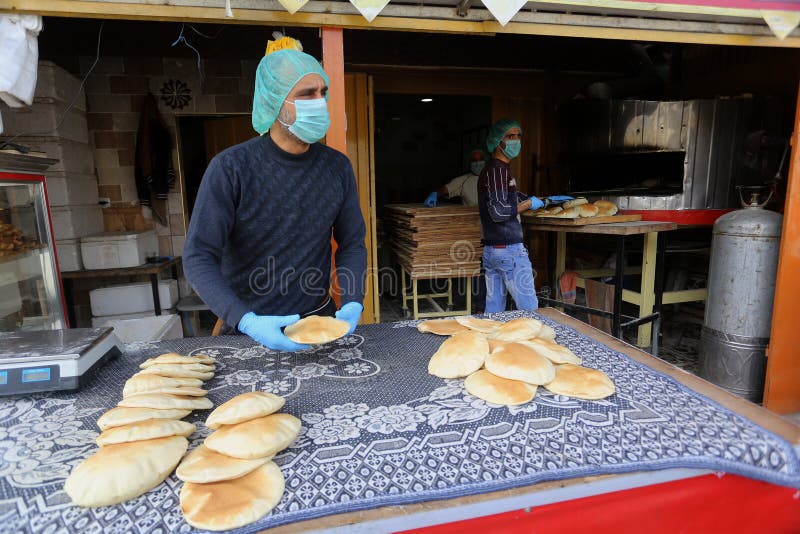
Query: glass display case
point(31, 297)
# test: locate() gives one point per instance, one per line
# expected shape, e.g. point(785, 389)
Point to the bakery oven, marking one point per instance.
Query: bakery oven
point(660, 156)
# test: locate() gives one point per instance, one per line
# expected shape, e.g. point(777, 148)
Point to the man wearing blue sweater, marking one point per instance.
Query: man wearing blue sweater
point(258, 248)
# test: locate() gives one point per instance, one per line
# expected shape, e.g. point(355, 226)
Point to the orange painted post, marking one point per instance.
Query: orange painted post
point(333, 63)
point(782, 387)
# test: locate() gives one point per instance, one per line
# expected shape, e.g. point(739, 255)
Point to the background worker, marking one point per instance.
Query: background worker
point(505, 257)
point(464, 186)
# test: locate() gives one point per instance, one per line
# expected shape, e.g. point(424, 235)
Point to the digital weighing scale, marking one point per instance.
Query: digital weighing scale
point(53, 360)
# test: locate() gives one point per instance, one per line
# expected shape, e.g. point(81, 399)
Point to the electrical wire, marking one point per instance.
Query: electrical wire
point(182, 39)
point(8, 142)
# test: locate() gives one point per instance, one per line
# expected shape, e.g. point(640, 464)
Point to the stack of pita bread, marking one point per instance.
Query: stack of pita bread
point(504, 363)
point(143, 439)
point(230, 480)
point(580, 207)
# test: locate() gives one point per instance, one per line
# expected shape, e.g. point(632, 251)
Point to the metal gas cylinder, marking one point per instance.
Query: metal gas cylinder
point(741, 287)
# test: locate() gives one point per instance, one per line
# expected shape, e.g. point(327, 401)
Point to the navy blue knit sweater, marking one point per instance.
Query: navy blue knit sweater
point(259, 238)
point(497, 201)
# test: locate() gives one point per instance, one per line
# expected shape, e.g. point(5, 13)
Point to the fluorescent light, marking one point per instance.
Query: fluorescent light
point(427, 100)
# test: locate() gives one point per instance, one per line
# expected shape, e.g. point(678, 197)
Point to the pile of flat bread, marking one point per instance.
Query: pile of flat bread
point(317, 330)
point(230, 480)
point(580, 207)
point(143, 438)
point(504, 363)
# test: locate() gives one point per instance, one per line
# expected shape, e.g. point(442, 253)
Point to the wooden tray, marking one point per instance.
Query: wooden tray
point(582, 221)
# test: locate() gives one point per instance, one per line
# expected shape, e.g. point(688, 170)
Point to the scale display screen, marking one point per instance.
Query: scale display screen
point(3, 378)
point(36, 375)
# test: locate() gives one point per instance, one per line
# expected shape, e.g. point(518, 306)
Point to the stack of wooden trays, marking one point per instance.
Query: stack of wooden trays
point(435, 242)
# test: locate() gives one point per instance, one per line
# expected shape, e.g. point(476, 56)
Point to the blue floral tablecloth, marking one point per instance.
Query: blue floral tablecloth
point(378, 430)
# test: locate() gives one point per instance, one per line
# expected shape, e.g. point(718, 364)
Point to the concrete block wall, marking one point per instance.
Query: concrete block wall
point(115, 92)
point(71, 183)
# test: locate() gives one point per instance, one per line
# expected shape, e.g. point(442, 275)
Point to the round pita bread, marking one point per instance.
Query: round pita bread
point(517, 330)
point(118, 473)
point(144, 430)
point(176, 370)
point(140, 383)
point(606, 207)
point(316, 330)
point(519, 362)
point(256, 438)
point(203, 466)
point(441, 327)
point(460, 355)
point(588, 210)
point(192, 366)
point(120, 416)
point(547, 333)
point(552, 351)
point(244, 407)
point(173, 358)
point(233, 503)
point(568, 213)
point(581, 383)
point(162, 401)
point(495, 344)
point(575, 202)
point(486, 326)
point(496, 390)
point(192, 392)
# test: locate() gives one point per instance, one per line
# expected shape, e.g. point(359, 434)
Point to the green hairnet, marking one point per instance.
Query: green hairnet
point(498, 131)
point(276, 75)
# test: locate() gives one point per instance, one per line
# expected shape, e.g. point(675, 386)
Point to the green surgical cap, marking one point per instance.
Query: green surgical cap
point(498, 131)
point(276, 75)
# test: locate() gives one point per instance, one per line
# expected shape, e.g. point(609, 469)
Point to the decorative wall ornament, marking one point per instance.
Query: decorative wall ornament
point(293, 6)
point(176, 94)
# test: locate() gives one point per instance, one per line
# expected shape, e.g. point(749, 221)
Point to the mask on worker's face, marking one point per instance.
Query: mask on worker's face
point(311, 121)
point(476, 167)
point(512, 148)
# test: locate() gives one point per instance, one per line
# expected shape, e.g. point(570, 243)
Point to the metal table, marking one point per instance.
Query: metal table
point(650, 295)
point(151, 270)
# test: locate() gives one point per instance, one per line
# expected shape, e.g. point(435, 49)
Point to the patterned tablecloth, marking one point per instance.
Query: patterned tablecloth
point(378, 430)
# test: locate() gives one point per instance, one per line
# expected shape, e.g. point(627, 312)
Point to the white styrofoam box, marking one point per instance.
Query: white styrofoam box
point(44, 117)
point(102, 321)
point(73, 157)
point(148, 328)
point(54, 82)
point(69, 255)
point(114, 250)
point(132, 298)
point(70, 222)
point(69, 190)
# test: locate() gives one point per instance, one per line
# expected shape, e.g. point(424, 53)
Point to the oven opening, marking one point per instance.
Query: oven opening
point(642, 172)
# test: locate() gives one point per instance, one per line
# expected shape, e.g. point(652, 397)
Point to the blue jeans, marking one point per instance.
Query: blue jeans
point(509, 269)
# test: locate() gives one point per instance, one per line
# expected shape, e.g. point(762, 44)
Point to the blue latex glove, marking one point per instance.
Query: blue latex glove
point(536, 203)
point(351, 312)
point(431, 200)
point(266, 329)
point(555, 199)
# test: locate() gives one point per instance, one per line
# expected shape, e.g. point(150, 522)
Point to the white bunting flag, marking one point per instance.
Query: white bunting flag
point(782, 23)
point(293, 6)
point(504, 10)
point(369, 9)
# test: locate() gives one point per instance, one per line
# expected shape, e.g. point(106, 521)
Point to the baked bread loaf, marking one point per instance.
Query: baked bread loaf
point(606, 207)
point(146, 383)
point(244, 407)
point(575, 202)
point(162, 401)
point(121, 415)
point(317, 330)
point(178, 370)
point(497, 390)
point(172, 357)
point(144, 430)
point(581, 383)
point(203, 466)
point(256, 438)
point(568, 213)
point(588, 210)
point(519, 362)
point(441, 327)
point(118, 473)
point(460, 355)
point(233, 503)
